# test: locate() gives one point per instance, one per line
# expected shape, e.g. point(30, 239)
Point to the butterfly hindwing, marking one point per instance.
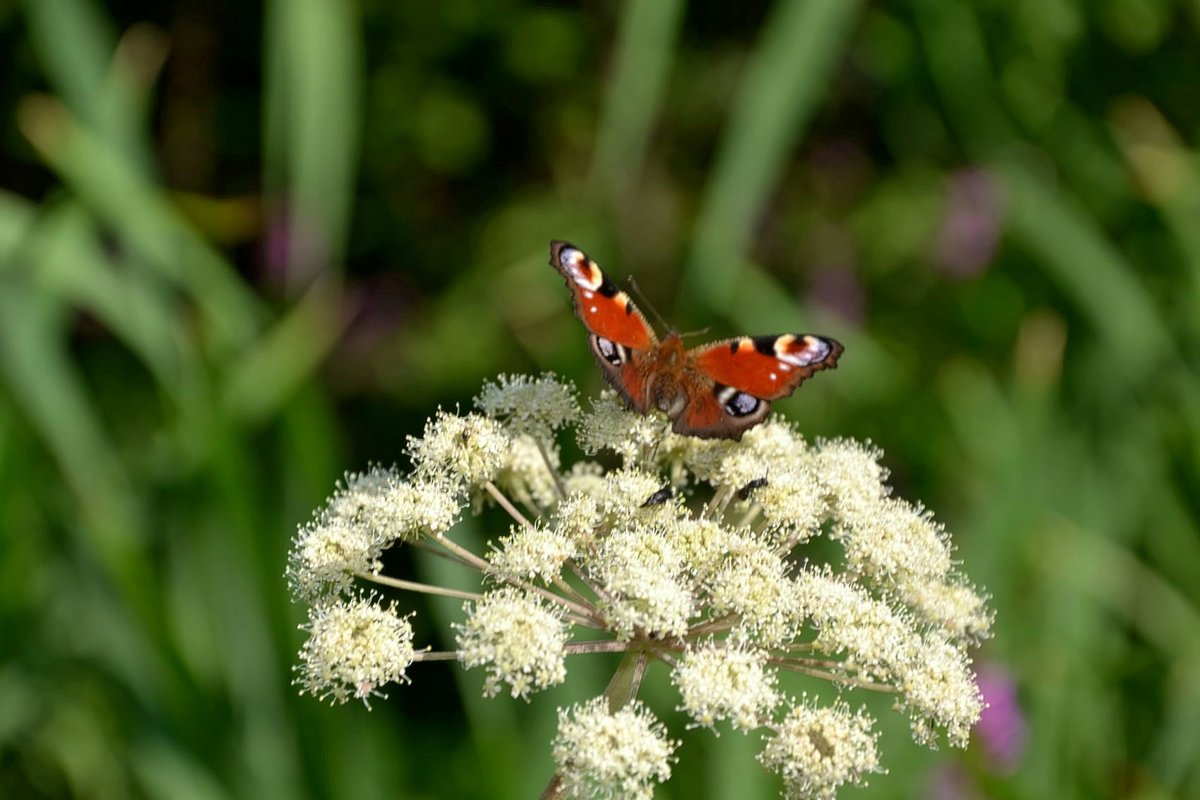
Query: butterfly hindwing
point(738, 379)
point(704, 417)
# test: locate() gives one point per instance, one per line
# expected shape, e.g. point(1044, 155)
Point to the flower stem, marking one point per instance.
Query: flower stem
point(413, 586)
point(558, 483)
point(611, 646)
point(504, 503)
point(436, 655)
point(626, 680)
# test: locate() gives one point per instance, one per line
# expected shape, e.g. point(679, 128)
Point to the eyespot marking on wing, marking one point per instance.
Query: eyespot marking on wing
point(797, 351)
point(605, 309)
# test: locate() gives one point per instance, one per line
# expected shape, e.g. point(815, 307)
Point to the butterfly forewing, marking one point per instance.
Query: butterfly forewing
point(604, 308)
point(768, 367)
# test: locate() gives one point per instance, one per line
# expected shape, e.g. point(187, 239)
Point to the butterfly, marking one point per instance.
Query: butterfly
point(716, 391)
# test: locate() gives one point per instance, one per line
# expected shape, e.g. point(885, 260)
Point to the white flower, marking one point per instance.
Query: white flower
point(955, 607)
point(718, 682)
point(792, 503)
point(519, 638)
point(365, 516)
point(533, 406)
point(531, 553)
point(612, 755)
point(354, 647)
point(527, 475)
point(891, 541)
point(470, 448)
point(325, 556)
point(753, 584)
point(817, 750)
point(875, 638)
point(939, 689)
point(616, 500)
point(702, 555)
point(771, 447)
point(641, 572)
point(703, 543)
point(611, 426)
point(850, 474)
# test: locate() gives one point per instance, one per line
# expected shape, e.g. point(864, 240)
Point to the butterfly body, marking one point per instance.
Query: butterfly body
point(714, 391)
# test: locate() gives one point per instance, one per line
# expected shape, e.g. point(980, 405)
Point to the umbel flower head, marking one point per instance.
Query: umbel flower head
point(733, 566)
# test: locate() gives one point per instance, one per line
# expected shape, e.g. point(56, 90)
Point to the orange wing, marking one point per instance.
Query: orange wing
point(767, 367)
point(732, 383)
point(606, 311)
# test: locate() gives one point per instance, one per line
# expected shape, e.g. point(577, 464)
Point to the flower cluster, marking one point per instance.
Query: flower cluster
point(737, 565)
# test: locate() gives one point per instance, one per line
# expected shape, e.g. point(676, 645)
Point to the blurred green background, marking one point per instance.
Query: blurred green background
point(245, 247)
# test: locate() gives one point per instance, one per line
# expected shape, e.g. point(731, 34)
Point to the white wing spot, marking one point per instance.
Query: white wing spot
point(593, 309)
point(588, 295)
point(785, 368)
point(774, 376)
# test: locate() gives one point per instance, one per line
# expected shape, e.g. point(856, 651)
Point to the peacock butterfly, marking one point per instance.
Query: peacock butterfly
point(716, 391)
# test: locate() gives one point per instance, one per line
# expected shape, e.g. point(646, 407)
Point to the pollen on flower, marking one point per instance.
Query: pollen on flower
point(611, 426)
point(817, 750)
point(718, 682)
point(641, 573)
point(469, 449)
point(354, 647)
point(753, 584)
point(850, 474)
point(611, 755)
point(363, 517)
point(939, 690)
point(531, 553)
point(891, 540)
point(533, 406)
point(519, 638)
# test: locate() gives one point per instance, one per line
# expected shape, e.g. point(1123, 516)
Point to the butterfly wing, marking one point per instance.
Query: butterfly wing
point(618, 334)
point(734, 381)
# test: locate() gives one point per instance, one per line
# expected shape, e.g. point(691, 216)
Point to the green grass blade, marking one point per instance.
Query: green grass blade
point(313, 88)
point(37, 371)
point(1071, 248)
point(285, 358)
point(785, 79)
point(645, 51)
point(143, 218)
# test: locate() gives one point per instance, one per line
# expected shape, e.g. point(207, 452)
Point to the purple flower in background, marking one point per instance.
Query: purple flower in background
point(970, 231)
point(950, 782)
point(1002, 726)
point(837, 288)
point(834, 284)
point(293, 249)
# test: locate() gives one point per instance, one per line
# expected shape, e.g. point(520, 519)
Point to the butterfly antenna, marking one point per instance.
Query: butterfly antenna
point(645, 301)
point(700, 332)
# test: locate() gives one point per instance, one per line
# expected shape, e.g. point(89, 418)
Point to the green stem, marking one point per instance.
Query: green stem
point(626, 680)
